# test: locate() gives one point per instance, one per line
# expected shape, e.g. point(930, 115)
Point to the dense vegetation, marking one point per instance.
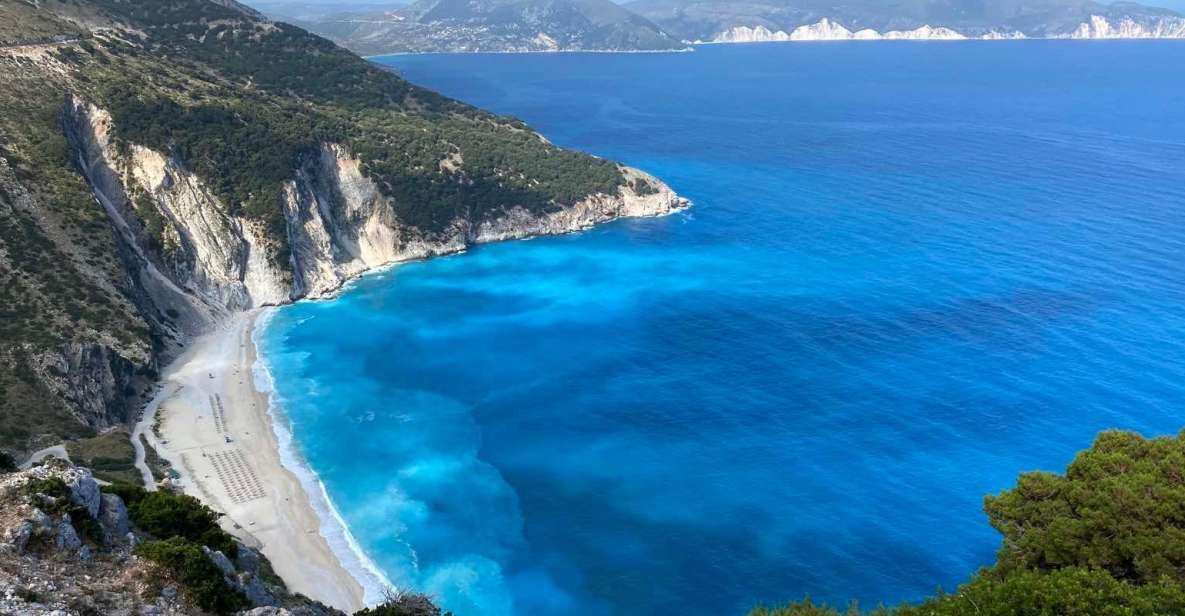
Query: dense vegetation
point(404, 604)
point(180, 526)
point(61, 278)
point(200, 578)
point(167, 515)
point(1106, 538)
point(245, 103)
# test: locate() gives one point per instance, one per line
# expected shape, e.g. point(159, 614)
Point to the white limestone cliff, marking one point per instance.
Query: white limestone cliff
point(1100, 28)
point(198, 260)
point(924, 33)
point(828, 30)
point(999, 35)
point(1168, 27)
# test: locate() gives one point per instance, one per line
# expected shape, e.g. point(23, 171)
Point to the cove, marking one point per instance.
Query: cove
point(912, 271)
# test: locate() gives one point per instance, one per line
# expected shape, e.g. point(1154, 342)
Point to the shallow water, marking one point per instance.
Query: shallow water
point(912, 271)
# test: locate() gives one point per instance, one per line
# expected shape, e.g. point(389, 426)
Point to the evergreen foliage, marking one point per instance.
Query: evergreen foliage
point(201, 580)
point(404, 604)
point(166, 515)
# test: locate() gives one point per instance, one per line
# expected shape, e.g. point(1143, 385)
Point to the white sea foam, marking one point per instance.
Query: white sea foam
point(333, 527)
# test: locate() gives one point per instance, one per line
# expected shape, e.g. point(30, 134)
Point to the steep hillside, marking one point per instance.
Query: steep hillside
point(496, 26)
point(165, 164)
point(69, 545)
point(774, 20)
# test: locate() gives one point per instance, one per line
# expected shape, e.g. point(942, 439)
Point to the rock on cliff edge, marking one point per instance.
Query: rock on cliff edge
point(66, 547)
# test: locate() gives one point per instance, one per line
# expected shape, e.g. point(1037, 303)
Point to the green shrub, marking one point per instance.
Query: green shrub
point(166, 515)
point(201, 580)
point(7, 462)
point(404, 604)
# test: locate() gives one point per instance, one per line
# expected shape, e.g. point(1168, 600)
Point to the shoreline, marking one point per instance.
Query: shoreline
point(217, 429)
point(690, 48)
point(294, 523)
point(345, 547)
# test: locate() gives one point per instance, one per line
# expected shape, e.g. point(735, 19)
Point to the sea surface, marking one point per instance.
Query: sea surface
point(912, 271)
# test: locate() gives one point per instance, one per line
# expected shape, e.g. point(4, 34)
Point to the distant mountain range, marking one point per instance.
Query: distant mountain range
point(786, 20)
point(311, 10)
point(667, 25)
point(496, 26)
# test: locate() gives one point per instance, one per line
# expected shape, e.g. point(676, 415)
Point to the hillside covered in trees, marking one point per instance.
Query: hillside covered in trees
point(213, 137)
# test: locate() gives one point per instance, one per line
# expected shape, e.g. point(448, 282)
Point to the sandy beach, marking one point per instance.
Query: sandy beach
point(216, 431)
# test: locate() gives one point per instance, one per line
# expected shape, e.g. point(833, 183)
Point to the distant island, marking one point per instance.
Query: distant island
point(495, 26)
point(454, 26)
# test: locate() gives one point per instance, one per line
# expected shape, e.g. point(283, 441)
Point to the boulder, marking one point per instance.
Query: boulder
point(113, 517)
point(18, 536)
point(67, 537)
point(84, 490)
point(254, 589)
point(221, 561)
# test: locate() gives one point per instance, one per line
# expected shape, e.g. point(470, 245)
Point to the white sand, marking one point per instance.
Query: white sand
point(244, 478)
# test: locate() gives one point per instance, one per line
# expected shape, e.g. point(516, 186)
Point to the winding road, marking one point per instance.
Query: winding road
point(57, 451)
point(144, 427)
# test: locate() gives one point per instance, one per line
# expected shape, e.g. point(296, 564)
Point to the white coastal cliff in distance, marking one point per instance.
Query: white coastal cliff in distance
point(828, 30)
point(1127, 28)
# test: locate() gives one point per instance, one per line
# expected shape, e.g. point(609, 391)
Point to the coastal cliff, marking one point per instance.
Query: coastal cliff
point(167, 168)
point(208, 263)
point(818, 20)
point(164, 168)
point(1097, 27)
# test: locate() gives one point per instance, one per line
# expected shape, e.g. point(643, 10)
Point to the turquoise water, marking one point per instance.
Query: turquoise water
point(911, 272)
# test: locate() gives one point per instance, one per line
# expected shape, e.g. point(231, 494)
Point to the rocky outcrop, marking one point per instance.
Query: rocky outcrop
point(338, 224)
point(49, 565)
point(113, 518)
point(173, 311)
point(924, 33)
point(1100, 27)
point(641, 195)
point(91, 379)
point(194, 260)
point(26, 525)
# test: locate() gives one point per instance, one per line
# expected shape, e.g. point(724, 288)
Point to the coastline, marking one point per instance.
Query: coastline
point(217, 429)
point(216, 418)
point(690, 48)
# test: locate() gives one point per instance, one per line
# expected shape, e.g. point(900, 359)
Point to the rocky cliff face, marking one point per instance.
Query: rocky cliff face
point(827, 30)
point(96, 383)
point(1100, 27)
point(1097, 27)
point(813, 20)
point(164, 167)
point(197, 262)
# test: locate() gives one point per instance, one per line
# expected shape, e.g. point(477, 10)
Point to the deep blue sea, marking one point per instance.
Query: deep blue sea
point(912, 271)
